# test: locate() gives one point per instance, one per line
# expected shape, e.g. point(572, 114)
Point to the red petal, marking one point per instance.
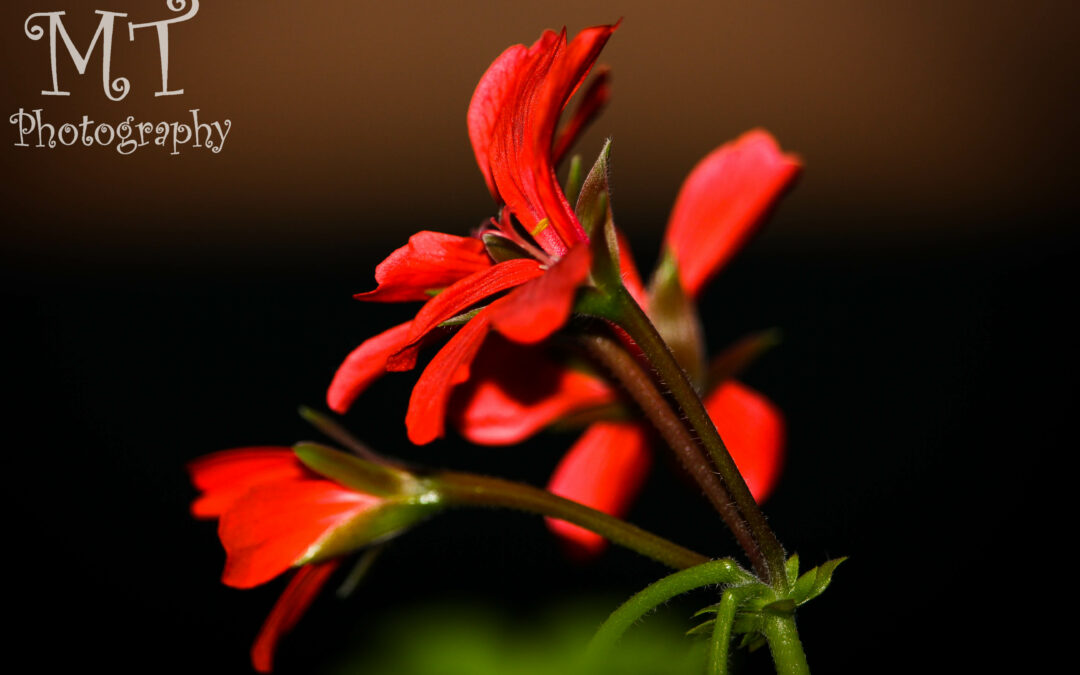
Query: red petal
point(516, 391)
point(753, 431)
point(488, 101)
point(294, 601)
point(226, 476)
point(459, 297)
point(363, 366)
point(273, 526)
point(605, 470)
point(722, 202)
point(592, 102)
point(540, 307)
point(520, 152)
point(427, 405)
point(430, 261)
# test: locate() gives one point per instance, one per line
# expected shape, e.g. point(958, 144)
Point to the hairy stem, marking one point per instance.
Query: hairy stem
point(763, 547)
point(474, 490)
point(711, 573)
point(640, 386)
point(784, 644)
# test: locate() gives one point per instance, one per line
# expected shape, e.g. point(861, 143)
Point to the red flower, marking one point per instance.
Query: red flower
point(723, 200)
point(512, 125)
point(275, 513)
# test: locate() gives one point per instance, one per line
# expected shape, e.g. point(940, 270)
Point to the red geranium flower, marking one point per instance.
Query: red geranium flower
point(720, 205)
point(274, 513)
point(512, 125)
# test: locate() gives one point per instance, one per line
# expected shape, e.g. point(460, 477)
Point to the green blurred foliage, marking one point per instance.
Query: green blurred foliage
point(464, 640)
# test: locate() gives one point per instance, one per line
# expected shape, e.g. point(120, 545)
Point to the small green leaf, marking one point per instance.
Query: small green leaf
point(675, 315)
point(784, 606)
point(711, 609)
point(792, 567)
point(814, 582)
point(502, 248)
point(573, 179)
point(702, 629)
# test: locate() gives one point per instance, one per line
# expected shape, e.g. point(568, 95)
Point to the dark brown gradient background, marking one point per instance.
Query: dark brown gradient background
point(158, 308)
point(920, 122)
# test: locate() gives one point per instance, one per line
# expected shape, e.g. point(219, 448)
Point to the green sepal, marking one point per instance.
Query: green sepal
point(381, 523)
point(814, 582)
point(573, 179)
point(461, 319)
point(675, 316)
point(594, 200)
point(739, 356)
point(331, 428)
point(359, 571)
point(355, 473)
point(792, 566)
point(502, 248)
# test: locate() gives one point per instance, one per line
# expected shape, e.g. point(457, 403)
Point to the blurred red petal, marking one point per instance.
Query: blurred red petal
point(425, 419)
point(517, 390)
point(539, 308)
point(363, 366)
point(605, 469)
point(460, 297)
point(723, 200)
point(226, 476)
point(628, 270)
point(430, 261)
point(294, 601)
point(753, 431)
point(273, 526)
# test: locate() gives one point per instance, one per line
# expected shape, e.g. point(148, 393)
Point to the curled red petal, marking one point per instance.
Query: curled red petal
point(605, 469)
point(363, 366)
point(290, 606)
point(274, 526)
point(753, 431)
point(539, 308)
point(723, 200)
point(430, 261)
point(520, 152)
point(488, 101)
point(516, 390)
point(226, 476)
point(425, 419)
point(459, 297)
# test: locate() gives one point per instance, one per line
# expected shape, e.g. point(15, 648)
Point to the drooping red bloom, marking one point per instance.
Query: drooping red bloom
point(722, 202)
point(512, 122)
point(274, 514)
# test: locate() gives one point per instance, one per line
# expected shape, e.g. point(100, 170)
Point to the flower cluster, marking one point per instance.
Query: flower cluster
point(500, 294)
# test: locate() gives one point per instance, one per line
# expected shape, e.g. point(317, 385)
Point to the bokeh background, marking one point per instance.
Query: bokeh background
point(160, 307)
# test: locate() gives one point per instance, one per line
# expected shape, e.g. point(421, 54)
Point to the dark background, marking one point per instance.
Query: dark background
point(159, 308)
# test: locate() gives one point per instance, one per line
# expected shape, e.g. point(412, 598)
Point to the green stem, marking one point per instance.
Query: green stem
point(720, 647)
point(473, 490)
point(714, 572)
point(768, 549)
point(784, 644)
